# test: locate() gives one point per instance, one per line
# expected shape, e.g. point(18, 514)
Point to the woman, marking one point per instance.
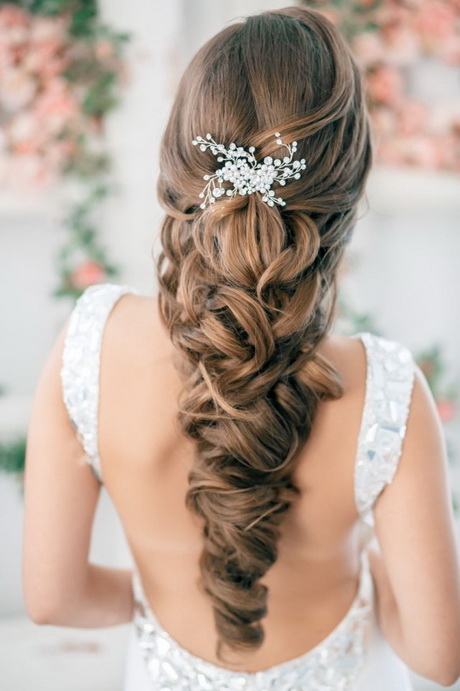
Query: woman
point(251, 453)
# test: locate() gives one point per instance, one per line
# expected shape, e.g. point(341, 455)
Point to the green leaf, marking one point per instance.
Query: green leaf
point(12, 455)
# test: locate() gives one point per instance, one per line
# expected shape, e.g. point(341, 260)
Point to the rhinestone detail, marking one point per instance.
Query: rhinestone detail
point(80, 363)
point(389, 383)
point(333, 665)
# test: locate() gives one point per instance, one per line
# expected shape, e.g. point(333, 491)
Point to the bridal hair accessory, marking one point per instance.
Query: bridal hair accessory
point(247, 174)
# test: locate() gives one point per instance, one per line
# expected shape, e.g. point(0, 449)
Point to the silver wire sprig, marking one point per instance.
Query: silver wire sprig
point(246, 174)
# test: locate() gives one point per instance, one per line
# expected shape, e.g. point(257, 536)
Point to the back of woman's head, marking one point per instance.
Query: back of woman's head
point(248, 290)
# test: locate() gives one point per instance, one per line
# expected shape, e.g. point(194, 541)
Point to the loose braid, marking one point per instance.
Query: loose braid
point(248, 291)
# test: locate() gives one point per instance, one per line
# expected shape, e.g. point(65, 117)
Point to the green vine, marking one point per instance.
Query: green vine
point(83, 242)
point(12, 455)
point(87, 73)
point(83, 12)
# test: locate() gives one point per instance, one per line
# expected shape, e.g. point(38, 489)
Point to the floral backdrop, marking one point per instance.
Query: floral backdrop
point(395, 41)
point(60, 73)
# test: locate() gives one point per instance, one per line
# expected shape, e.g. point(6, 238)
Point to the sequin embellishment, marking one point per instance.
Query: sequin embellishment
point(80, 363)
point(390, 376)
point(333, 665)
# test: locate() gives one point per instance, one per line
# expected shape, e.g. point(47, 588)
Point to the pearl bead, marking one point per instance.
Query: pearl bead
point(245, 174)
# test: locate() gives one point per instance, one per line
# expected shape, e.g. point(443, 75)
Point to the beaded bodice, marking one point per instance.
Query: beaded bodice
point(336, 662)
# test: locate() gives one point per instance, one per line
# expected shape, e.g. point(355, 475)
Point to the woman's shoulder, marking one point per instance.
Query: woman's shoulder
point(134, 324)
point(349, 345)
point(347, 355)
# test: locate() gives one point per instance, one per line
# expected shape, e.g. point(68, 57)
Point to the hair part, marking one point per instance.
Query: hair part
point(248, 291)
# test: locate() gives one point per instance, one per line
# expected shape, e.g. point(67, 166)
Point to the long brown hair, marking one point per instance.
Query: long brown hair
point(247, 291)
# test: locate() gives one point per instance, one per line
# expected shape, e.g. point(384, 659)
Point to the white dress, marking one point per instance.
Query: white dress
point(354, 656)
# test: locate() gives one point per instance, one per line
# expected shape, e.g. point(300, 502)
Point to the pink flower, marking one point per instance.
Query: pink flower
point(436, 19)
point(45, 61)
point(383, 120)
point(7, 56)
point(449, 50)
point(390, 151)
point(58, 152)
point(46, 29)
point(393, 13)
point(446, 409)
point(17, 89)
point(45, 54)
point(424, 151)
point(25, 133)
point(28, 172)
point(385, 85)
point(402, 45)
point(368, 47)
point(104, 50)
point(442, 116)
point(57, 85)
point(413, 117)
point(56, 105)
point(13, 16)
point(14, 25)
point(87, 273)
point(331, 14)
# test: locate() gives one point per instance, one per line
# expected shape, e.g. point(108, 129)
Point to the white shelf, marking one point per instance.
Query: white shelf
point(51, 658)
point(399, 189)
point(39, 204)
point(28, 205)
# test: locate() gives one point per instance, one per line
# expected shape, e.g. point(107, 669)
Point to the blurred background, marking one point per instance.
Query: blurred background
point(85, 90)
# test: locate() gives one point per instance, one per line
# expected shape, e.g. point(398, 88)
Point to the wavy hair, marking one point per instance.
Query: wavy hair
point(248, 291)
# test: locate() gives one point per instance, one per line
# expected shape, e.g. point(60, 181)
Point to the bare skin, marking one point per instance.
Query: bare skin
point(145, 461)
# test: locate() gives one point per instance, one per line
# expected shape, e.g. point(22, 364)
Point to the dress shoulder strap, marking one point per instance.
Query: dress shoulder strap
point(389, 383)
point(81, 362)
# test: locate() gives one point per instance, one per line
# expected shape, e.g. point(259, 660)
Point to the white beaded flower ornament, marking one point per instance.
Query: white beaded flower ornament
point(247, 174)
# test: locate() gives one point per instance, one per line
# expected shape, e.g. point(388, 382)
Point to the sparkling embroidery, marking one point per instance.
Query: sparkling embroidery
point(81, 357)
point(333, 665)
point(390, 376)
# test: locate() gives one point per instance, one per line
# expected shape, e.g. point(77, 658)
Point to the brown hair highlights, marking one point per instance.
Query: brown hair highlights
point(248, 291)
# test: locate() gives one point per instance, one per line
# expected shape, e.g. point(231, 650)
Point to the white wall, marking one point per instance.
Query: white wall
point(132, 219)
point(203, 18)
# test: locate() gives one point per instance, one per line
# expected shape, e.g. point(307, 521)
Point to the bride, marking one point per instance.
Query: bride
point(282, 488)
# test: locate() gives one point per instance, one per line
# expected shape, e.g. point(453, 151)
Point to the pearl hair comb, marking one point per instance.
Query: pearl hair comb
point(247, 174)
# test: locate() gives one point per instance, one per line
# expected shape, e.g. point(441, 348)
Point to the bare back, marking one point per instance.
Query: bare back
point(145, 460)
